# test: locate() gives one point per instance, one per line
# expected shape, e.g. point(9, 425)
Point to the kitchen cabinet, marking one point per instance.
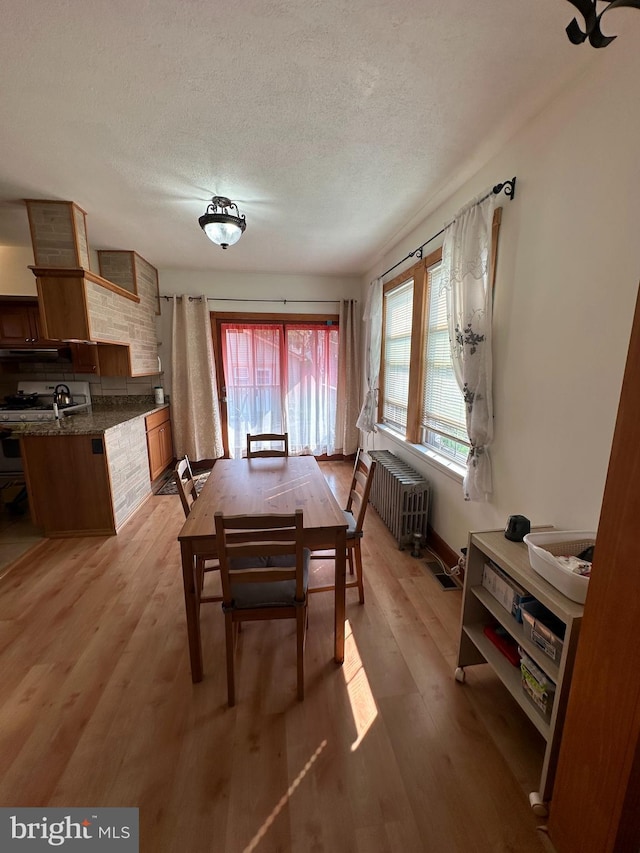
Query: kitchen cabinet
point(480, 609)
point(20, 325)
point(159, 441)
point(76, 305)
point(68, 484)
point(79, 306)
point(86, 483)
point(101, 359)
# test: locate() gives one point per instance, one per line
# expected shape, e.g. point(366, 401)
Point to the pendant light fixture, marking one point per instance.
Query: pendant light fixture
point(592, 31)
point(220, 224)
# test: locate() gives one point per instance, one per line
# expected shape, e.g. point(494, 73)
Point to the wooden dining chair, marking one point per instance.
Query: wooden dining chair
point(357, 503)
point(264, 570)
point(186, 485)
point(262, 438)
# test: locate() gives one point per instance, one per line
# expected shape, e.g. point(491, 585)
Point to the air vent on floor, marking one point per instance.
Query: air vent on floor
point(445, 581)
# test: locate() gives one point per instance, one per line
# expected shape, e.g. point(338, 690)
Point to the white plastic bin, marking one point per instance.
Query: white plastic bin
point(545, 547)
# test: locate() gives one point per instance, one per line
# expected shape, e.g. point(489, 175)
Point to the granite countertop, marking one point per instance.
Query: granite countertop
point(96, 422)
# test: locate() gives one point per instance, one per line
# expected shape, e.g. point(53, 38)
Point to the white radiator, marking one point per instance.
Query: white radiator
point(400, 496)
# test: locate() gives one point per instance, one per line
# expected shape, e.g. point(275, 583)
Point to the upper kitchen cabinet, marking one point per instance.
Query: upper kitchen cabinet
point(78, 305)
point(58, 234)
point(130, 271)
point(20, 324)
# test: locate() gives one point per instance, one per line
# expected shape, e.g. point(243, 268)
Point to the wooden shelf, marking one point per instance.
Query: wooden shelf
point(480, 608)
point(509, 675)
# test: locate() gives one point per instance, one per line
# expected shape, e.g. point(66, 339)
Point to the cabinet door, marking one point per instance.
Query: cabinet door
point(38, 339)
point(167, 444)
point(85, 358)
point(160, 445)
point(15, 325)
point(77, 501)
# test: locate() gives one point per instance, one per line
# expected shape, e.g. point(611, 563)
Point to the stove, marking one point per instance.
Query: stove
point(40, 407)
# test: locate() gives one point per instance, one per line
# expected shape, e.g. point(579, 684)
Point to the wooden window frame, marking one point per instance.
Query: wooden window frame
point(418, 272)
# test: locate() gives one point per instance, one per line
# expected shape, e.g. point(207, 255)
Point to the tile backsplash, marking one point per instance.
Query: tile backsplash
point(101, 386)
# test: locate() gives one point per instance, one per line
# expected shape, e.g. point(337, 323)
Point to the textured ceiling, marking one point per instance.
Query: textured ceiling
point(332, 124)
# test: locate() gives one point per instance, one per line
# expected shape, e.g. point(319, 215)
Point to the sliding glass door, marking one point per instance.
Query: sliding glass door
point(280, 377)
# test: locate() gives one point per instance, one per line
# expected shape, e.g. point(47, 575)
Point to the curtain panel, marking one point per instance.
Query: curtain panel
point(372, 318)
point(195, 409)
point(466, 256)
point(255, 378)
point(348, 391)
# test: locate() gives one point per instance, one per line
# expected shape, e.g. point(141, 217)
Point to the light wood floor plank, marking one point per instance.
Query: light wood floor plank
point(387, 754)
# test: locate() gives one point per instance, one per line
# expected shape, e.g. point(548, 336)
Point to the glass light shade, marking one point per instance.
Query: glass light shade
point(222, 233)
point(220, 225)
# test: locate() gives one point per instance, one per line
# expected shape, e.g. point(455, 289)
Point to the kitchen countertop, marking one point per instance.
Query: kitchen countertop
point(96, 422)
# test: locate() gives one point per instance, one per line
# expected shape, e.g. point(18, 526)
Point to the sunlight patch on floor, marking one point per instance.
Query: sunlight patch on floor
point(284, 799)
point(363, 706)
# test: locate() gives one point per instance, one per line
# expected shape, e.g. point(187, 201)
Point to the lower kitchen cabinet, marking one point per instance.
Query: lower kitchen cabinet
point(159, 441)
point(87, 485)
point(68, 483)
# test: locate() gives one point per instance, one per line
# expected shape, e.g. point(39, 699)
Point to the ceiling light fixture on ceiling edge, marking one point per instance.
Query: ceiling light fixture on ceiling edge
point(220, 224)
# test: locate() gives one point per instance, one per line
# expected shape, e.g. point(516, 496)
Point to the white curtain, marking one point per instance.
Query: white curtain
point(195, 410)
point(373, 342)
point(466, 262)
point(348, 392)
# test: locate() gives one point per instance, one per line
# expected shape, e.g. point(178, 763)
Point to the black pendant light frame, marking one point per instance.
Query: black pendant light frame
point(217, 212)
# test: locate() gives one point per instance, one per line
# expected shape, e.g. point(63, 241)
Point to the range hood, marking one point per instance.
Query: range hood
point(35, 354)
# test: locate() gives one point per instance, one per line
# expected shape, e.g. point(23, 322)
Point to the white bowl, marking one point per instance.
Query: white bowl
point(573, 585)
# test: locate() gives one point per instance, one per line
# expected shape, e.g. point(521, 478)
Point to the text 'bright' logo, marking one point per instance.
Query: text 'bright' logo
point(58, 832)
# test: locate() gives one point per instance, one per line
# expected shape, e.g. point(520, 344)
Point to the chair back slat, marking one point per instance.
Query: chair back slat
point(361, 483)
point(263, 575)
point(268, 536)
point(185, 483)
point(263, 438)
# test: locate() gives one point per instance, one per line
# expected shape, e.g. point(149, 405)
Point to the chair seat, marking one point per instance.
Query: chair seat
point(352, 533)
point(270, 594)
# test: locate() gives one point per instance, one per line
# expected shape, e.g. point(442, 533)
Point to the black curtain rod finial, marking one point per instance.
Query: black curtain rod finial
point(509, 188)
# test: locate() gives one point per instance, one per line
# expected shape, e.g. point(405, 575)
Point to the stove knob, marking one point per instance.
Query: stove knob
point(4, 417)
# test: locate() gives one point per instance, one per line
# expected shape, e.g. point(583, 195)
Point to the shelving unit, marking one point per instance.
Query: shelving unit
point(480, 608)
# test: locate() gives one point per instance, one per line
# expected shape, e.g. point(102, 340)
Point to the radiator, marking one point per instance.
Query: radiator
point(400, 496)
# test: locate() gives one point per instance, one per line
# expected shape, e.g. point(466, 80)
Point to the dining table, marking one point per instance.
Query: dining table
point(254, 486)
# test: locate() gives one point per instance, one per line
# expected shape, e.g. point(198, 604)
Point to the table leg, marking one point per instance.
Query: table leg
point(191, 609)
point(340, 593)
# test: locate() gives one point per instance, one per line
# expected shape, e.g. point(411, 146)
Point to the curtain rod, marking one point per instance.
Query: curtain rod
point(509, 188)
point(230, 299)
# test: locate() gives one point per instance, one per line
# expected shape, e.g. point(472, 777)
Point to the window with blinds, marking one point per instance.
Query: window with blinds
point(398, 314)
point(443, 419)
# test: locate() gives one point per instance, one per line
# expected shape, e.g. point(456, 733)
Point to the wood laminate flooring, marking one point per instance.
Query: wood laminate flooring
point(387, 754)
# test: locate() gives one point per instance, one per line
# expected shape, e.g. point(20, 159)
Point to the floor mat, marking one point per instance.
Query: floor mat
point(168, 487)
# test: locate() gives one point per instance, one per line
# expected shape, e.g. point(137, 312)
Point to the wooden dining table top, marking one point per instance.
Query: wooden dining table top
point(273, 485)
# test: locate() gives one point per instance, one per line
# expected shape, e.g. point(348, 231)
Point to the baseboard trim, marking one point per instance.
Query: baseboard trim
point(440, 547)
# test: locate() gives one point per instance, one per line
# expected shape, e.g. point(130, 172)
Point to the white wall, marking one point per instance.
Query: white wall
point(250, 286)
point(567, 278)
point(15, 277)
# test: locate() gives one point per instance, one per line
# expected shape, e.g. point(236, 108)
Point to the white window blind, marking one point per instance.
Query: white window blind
point(398, 313)
point(443, 410)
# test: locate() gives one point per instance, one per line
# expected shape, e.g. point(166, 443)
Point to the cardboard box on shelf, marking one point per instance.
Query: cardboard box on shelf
point(504, 589)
